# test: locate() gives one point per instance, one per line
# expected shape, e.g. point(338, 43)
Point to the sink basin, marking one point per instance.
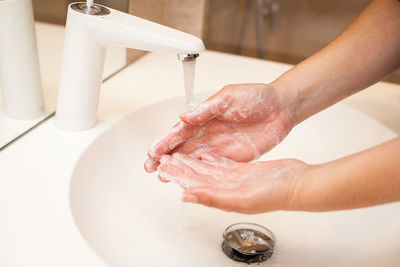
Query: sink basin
point(129, 218)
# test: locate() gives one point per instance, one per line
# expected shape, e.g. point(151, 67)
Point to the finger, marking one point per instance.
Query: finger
point(219, 198)
point(172, 170)
point(150, 165)
point(173, 138)
point(205, 112)
point(169, 172)
point(162, 179)
point(196, 164)
point(218, 160)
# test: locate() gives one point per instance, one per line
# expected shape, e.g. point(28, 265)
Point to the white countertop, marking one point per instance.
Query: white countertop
point(37, 228)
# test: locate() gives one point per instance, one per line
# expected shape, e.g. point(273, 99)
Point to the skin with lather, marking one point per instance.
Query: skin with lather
point(210, 152)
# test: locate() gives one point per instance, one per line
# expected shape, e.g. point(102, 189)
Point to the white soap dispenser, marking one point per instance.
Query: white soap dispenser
point(19, 65)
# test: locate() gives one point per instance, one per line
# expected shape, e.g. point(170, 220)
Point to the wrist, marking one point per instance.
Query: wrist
point(299, 181)
point(289, 100)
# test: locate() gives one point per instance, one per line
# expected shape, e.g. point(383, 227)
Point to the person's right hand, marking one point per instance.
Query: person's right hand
point(221, 183)
point(240, 122)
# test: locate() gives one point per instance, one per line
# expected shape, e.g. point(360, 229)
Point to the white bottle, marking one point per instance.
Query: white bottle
point(19, 65)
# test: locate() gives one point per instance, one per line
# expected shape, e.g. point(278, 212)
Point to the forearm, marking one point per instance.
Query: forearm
point(367, 51)
point(367, 178)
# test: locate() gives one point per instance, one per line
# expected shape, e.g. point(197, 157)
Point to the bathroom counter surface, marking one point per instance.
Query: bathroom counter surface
point(37, 228)
point(50, 43)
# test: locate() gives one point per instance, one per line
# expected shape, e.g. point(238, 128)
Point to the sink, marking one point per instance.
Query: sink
point(129, 218)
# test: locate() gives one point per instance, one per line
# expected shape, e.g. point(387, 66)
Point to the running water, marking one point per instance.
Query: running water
point(188, 78)
point(89, 4)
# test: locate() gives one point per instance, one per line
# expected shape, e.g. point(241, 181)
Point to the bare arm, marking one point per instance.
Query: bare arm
point(364, 53)
point(367, 51)
point(367, 178)
point(364, 179)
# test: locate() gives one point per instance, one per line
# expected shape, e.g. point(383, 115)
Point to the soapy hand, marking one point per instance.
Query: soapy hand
point(219, 182)
point(240, 122)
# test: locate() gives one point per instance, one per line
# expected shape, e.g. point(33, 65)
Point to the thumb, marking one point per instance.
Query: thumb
point(214, 197)
point(205, 112)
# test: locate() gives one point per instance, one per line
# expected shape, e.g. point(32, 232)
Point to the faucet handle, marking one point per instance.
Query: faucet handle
point(94, 10)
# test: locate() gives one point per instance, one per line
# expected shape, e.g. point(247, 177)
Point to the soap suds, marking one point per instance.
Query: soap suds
point(173, 133)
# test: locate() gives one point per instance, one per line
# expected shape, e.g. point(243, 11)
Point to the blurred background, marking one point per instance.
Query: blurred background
point(281, 30)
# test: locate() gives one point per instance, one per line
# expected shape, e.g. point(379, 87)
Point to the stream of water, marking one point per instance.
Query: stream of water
point(188, 74)
point(188, 81)
point(89, 4)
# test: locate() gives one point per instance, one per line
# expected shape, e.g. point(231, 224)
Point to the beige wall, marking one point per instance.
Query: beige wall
point(184, 15)
point(301, 27)
point(55, 11)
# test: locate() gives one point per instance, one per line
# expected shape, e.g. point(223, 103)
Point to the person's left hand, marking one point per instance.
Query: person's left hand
point(219, 182)
point(240, 122)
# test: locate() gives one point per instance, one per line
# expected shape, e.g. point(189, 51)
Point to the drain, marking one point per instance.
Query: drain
point(248, 243)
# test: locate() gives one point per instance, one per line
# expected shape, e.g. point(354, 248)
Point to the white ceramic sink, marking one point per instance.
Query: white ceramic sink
point(129, 218)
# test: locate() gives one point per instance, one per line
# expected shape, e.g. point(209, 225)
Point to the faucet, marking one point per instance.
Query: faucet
point(88, 33)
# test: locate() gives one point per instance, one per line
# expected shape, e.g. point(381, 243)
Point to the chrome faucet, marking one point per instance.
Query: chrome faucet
point(88, 33)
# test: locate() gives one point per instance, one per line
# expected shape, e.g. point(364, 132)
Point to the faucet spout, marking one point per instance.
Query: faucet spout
point(89, 31)
point(187, 57)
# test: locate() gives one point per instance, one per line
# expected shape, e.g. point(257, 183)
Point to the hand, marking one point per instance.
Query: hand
point(219, 182)
point(240, 122)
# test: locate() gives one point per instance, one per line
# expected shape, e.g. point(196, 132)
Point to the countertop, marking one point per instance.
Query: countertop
point(37, 228)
